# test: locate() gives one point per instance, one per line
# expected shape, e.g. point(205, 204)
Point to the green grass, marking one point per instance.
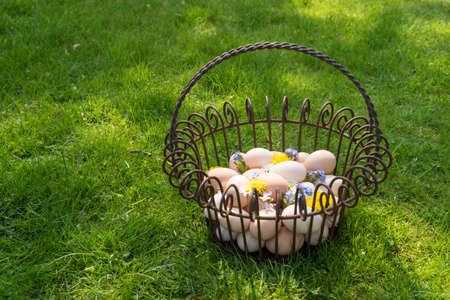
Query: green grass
point(81, 217)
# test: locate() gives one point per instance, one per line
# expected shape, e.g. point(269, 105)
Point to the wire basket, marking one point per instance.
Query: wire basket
point(201, 141)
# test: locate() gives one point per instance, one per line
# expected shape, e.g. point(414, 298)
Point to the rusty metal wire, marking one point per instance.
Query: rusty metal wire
point(194, 145)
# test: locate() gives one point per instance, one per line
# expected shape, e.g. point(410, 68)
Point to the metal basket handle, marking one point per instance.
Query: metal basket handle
point(275, 45)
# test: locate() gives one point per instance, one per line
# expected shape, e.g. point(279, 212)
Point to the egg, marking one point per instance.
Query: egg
point(237, 162)
point(285, 242)
point(258, 157)
point(274, 181)
point(217, 197)
point(253, 173)
point(267, 227)
point(321, 160)
point(225, 234)
point(235, 221)
point(301, 156)
point(240, 182)
point(336, 184)
point(223, 174)
point(315, 236)
point(301, 226)
point(329, 219)
point(290, 170)
point(252, 243)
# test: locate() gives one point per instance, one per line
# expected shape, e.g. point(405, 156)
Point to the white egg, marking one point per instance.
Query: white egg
point(235, 221)
point(217, 197)
point(267, 227)
point(285, 242)
point(225, 234)
point(329, 219)
point(274, 182)
point(301, 156)
point(321, 160)
point(223, 174)
point(334, 188)
point(252, 243)
point(258, 157)
point(302, 226)
point(315, 236)
point(290, 170)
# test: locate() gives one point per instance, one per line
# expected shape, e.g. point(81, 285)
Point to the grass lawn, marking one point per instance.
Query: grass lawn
point(83, 82)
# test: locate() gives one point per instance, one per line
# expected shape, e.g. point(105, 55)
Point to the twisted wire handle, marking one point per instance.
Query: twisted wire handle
point(275, 45)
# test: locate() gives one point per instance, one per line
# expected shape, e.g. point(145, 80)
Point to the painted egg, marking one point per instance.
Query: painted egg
point(285, 241)
point(321, 160)
point(267, 227)
point(217, 197)
point(252, 243)
point(225, 234)
point(334, 188)
point(258, 157)
point(302, 226)
point(223, 174)
point(237, 162)
point(290, 170)
point(253, 173)
point(315, 236)
point(301, 156)
point(274, 182)
point(235, 221)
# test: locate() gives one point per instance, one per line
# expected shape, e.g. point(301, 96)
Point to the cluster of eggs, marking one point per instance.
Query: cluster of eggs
point(273, 175)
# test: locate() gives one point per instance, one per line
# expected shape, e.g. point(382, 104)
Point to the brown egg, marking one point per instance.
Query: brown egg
point(240, 182)
point(252, 243)
point(301, 156)
point(274, 181)
point(253, 173)
point(285, 241)
point(235, 221)
point(257, 157)
point(267, 227)
point(321, 160)
point(315, 236)
point(223, 174)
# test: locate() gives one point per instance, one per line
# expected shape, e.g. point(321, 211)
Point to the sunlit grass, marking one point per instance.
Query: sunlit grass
point(82, 217)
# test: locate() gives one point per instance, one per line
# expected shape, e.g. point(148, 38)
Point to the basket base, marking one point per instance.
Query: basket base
point(263, 254)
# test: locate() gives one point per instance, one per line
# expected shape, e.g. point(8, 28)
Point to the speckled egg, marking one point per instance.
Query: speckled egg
point(290, 170)
point(257, 157)
point(235, 221)
point(252, 243)
point(274, 181)
point(285, 241)
point(302, 226)
point(321, 160)
point(267, 227)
